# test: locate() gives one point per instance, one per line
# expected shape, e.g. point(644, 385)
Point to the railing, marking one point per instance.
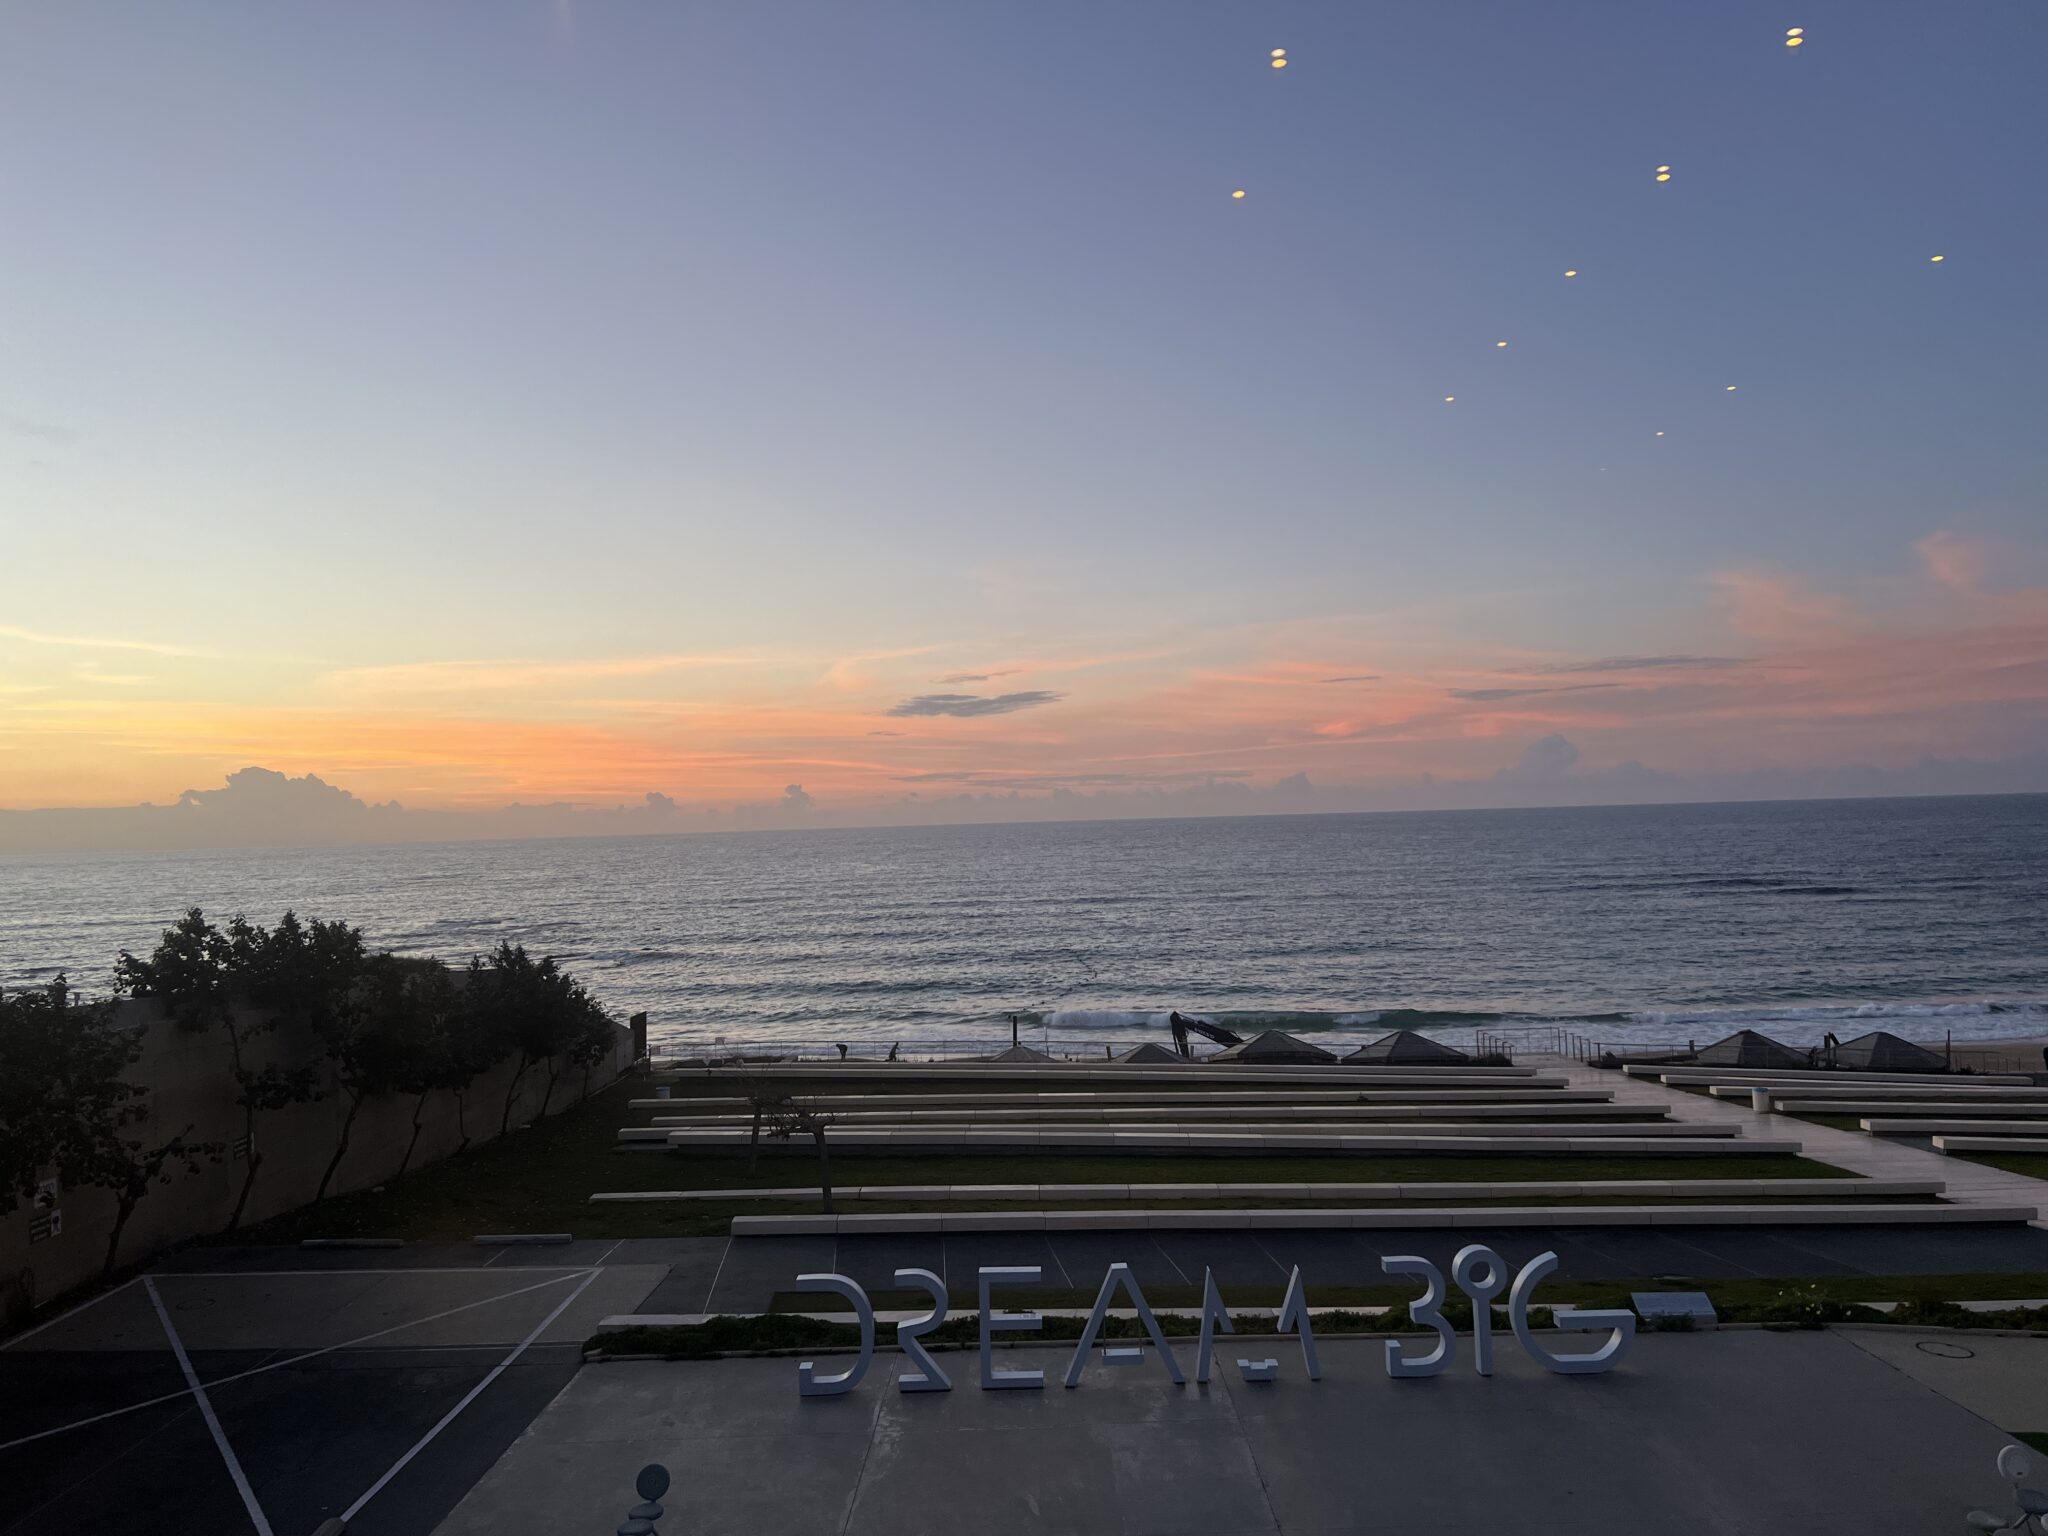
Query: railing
point(1535, 1040)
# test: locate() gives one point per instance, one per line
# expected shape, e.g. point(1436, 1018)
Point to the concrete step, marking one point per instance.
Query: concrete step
point(1764, 1076)
point(1383, 1219)
point(1705, 1141)
point(1931, 1126)
point(1136, 1117)
point(1991, 1143)
point(1102, 1135)
point(1551, 1189)
point(1897, 1109)
point(1546, 1089)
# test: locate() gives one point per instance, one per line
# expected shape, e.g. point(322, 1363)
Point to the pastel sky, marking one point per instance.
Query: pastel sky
point(569, 401)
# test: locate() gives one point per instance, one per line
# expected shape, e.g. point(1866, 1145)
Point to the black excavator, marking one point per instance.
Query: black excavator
point(1183, 1026)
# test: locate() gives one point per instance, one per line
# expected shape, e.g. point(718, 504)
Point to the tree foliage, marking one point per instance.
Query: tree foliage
point(542, 1015)
point(65, 1105)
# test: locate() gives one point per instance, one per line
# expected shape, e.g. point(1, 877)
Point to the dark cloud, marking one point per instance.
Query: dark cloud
point(794, 798)
point(973, 677)
point(885, 733)
point(1543, 761)
point(1642, 663)
point(1491, 695)
point(1361, 677)
point(968, 705)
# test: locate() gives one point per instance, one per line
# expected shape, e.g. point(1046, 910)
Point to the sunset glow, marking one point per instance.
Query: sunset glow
point(843, 470)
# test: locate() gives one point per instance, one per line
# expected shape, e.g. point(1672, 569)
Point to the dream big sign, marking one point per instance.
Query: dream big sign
point(1476, 1271)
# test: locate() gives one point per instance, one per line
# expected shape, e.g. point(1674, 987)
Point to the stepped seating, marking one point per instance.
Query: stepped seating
point(1548, 1189)
point(1386, 1218)
point(1191, 1114)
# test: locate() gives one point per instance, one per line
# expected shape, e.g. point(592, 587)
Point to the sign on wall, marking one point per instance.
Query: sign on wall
point(1477, 1271)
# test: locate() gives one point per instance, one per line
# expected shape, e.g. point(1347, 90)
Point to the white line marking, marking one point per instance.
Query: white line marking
point(599, 1264)
point(278, 1365)
point(1170, 1259)
point(220, 1439)
point(66, 1316)
point(274, 1274)
point(469, 1397)
point(723, 1255)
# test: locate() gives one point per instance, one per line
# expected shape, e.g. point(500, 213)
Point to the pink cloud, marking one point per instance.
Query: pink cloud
point(1952, 559)
point(1771, 606)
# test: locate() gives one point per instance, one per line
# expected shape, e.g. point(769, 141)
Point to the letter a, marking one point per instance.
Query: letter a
point(1120, 1275)
point(1294, 1314)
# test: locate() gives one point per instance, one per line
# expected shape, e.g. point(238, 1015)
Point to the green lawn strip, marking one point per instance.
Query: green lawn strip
point(1775, 1303)
point(713, 1218)
point(740, 1205)
point(1835, 1122)
point(684, 1171)
point(541, 1179)
point(2033, 1164)
point(1926, 1299)
point(1748, 1300)
point(779, 1331)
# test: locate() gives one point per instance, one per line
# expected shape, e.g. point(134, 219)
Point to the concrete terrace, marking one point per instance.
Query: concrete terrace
point(1872, 1156)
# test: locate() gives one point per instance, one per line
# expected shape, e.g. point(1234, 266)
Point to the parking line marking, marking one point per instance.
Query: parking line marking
point(278, 1365)
point(275, 1274)
point(469, 1397)
point(220, 1439)
point(1169, 1259)
point(723, 1255)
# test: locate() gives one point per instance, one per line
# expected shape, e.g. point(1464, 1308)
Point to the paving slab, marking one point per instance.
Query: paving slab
point(2004, 1381)
point(1735, 1434)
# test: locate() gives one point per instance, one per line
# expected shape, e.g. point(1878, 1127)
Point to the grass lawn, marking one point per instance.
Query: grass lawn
point(541, 1179)
point(1733, 1299)
point(2033, 1164)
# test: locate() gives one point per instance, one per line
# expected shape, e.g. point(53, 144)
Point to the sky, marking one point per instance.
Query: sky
point(871, 411)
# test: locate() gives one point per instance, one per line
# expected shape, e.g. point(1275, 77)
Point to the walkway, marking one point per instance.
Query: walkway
point(1876, 1157)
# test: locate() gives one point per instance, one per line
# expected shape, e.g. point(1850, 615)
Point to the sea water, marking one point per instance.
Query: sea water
point(1630, 925)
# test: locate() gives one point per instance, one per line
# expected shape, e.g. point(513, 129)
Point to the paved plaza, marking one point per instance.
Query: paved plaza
point(1725, 1433)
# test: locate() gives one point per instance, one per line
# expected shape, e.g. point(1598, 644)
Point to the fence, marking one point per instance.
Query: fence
point(60, 1240)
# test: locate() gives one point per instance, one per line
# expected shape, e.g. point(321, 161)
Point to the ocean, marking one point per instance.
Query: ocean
point(1629, 925)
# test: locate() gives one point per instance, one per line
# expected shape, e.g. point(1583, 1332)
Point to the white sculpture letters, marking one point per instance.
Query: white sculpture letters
point(1119, 1276)
point(808, 1383)
point(1601, 1359)
point(927, 1377)
point(1477, 1271)
point(993, 1321)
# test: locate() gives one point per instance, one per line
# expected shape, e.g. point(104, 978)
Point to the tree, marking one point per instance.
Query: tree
point(64, 1103)
point(796, 1117)
point(61, 1066)
point(198, 975)
point(414, 1045)
point(766, 1099)
point(378, 1038)
point(129, 1165)
point(536, 1010)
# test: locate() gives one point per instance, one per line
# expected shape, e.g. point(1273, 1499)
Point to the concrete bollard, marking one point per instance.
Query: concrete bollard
point(1760, 1100)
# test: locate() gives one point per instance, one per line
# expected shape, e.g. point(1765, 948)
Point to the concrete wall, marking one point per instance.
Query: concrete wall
point(190, 1082)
